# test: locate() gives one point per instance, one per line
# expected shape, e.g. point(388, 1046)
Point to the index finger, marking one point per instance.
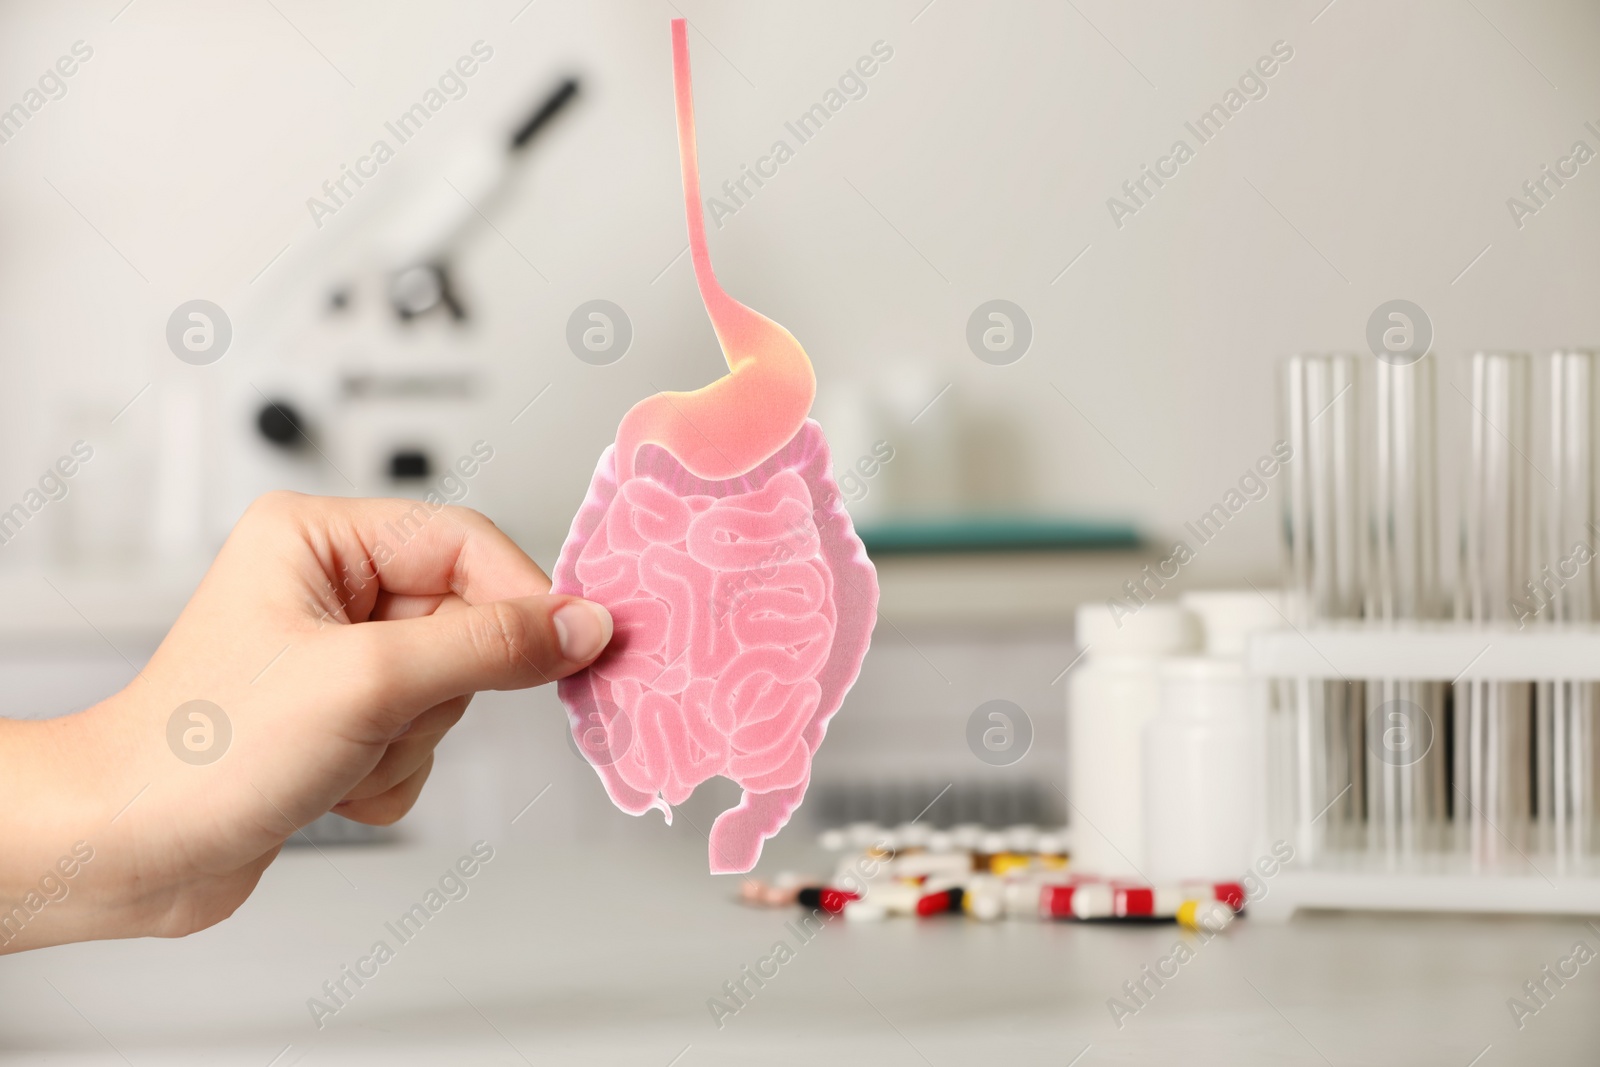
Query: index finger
point(413, 548)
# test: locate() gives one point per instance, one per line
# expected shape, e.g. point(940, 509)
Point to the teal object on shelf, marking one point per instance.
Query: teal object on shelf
point(996, 535)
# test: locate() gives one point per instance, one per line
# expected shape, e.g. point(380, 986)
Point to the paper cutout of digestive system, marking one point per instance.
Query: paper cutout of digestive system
point(744, 601)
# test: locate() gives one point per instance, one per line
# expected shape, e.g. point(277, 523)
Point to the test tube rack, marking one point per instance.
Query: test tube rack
point(1524, 880)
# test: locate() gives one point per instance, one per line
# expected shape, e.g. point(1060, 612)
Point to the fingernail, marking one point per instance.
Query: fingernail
point(583, 628)
point(398, 734)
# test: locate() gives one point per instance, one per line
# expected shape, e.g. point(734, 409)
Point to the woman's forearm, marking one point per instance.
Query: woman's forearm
point(46, 891)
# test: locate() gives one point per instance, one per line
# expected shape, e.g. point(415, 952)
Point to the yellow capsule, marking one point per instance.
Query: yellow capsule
point(983, 897)
point(1208, 915)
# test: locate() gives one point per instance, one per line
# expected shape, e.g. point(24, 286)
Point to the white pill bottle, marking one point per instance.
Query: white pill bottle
point(1112, 692)
point(1203, 752)
point(1198, 795)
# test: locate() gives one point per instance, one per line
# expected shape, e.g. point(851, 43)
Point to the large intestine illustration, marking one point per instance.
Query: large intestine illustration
point(744, 601)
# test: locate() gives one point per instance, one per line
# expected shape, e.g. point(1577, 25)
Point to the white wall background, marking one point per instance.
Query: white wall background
point(978, 165)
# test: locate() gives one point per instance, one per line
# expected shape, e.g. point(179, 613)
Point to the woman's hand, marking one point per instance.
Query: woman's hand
point(336, 641)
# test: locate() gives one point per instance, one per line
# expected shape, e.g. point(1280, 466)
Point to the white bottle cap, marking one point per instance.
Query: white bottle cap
point(1229, 616)
point(1152, 630)
point(863, 835)
point(966, 835)
point(1022, 838)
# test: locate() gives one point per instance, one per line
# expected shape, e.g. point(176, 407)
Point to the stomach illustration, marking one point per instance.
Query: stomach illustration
point(744, 602)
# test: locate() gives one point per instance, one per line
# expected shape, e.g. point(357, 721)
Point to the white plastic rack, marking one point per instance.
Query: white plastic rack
point(1525, 880)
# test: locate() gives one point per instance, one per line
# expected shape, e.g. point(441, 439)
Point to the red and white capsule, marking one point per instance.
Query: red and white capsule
point(1082, 900)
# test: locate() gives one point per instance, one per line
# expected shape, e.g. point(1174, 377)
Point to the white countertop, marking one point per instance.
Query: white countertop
point(607, 954)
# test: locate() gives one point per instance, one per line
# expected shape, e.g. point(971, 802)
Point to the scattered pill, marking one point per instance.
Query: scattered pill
point(930, 864)
point(940, 902)
point(897, 898)
point(1129, 900)
point(1083, 900)
point(828, 899)
point(1021, 899)
point(983, 897)
point(865, 910)
point(1230, 893)
point(1211, 915)
point(780, 894)
point(1021, 872)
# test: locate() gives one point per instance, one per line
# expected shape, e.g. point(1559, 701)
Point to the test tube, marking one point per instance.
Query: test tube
point(1405, 745)
point(1562, 591)
point(1322, 499)
point(1322, 526)
point(1493, 722)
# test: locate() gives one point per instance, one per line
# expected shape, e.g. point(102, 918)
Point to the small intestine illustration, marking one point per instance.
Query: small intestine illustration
point(744, 601)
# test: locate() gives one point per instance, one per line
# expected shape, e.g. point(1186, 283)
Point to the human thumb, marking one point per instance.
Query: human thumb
point(504, 644)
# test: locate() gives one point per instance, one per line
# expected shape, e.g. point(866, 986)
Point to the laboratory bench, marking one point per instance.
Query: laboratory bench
point(592, 937)
point(608, 951)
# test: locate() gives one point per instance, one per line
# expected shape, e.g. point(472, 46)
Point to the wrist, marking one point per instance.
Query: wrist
point(57, 882)
point(34, 824)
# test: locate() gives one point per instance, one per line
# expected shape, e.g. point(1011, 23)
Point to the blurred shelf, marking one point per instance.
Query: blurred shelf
point(1000, 590)
point(983, 534)
point(1429, 651)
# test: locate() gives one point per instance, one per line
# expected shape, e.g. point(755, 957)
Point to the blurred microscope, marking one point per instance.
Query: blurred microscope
point(379, 389)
